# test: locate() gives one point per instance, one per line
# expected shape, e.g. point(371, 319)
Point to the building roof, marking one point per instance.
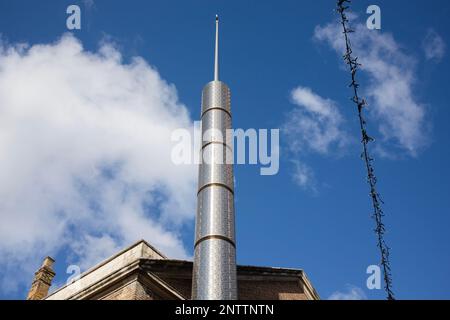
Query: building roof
point(142, 264)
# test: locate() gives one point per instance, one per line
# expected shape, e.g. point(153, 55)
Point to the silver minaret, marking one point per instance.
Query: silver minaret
point(214, 275)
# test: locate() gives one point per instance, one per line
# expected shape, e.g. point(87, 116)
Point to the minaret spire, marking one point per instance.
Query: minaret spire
point(216, 52)
point(214, 272)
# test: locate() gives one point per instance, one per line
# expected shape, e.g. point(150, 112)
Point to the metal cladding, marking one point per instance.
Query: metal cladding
point(214, 274)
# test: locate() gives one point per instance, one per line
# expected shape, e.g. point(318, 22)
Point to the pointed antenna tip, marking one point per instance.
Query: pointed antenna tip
point(216, 58)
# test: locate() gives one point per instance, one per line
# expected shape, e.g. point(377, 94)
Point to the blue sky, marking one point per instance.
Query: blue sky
point(269, 49)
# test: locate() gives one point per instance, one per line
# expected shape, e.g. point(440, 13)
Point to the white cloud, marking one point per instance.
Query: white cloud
point(350, 293)
point(85, 157)
point(315, 124)
point(390, 90)
point(433, 46)
point(91, 248)
point(304, 176)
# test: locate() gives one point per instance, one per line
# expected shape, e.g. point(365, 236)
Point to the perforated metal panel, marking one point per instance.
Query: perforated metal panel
point(212, 200)
point(215, 271)
point(214, 275)
point(216, 94)
point(214, 169)
point(214, 127)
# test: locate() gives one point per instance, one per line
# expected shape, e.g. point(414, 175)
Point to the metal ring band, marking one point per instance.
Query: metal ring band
point(215, 236)
point(215, 184)
point(216, 108)
point(217, 142)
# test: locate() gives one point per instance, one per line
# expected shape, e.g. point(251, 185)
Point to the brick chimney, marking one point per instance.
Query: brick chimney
point(42, 280)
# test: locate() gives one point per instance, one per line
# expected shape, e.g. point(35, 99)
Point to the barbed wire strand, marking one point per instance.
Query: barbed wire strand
point(378, 214)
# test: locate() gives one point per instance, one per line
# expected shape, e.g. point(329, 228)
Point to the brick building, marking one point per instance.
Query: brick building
point(141, 272)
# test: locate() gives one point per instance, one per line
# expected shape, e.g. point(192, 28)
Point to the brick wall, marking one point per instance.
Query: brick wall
point(131, 291)
point(270, 290)
point(251, 290)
